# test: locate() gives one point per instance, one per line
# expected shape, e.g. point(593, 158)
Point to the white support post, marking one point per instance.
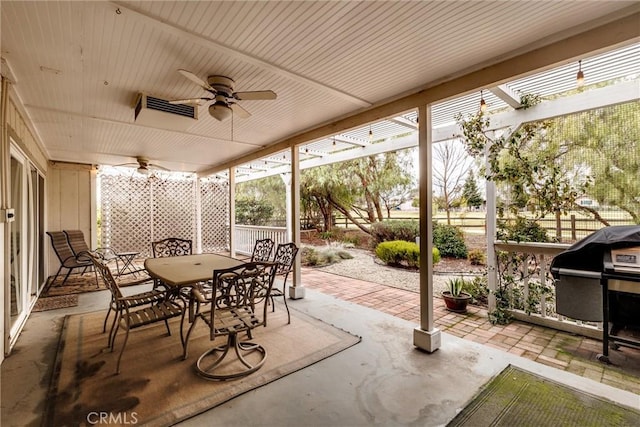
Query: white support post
point(286, 178)
point(426, 336)
point(490, 221)
point(198, 199)
point(232, 212)
point(296, 291)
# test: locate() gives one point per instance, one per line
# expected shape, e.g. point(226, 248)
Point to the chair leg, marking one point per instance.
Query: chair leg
point(104, 325)
point(185, 343)
point(126, 337)
point(66, 277)
point(239, 348)
point(284, 298)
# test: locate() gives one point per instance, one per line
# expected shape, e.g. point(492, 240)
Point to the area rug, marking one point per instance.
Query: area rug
point(516, 397)
point(81, 283)
point(54, 303)
point(155, 386)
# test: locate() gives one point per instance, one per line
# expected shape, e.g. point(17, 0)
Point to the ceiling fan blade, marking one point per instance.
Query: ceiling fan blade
point(255, 95)
point(241, 112)
point(197, 80)
point(190, 101)
point(154, 166)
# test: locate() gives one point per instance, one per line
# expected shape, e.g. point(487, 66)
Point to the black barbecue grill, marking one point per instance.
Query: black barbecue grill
point(598, 279)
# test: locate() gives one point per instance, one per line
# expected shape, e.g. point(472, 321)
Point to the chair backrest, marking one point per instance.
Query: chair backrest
point(285, 255)
point(171, 246)
point(76, 241)
point(104, 272)
point(262, 250)
point(239, 287)
point(61, 246)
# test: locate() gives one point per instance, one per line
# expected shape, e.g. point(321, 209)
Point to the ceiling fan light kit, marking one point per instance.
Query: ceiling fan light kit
point(222, 92)
point(220, 111)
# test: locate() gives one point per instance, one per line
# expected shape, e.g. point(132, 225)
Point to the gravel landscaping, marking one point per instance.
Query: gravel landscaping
point(365, 266)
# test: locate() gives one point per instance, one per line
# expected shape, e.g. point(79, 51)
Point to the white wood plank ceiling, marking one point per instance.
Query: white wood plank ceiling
point(77, 66)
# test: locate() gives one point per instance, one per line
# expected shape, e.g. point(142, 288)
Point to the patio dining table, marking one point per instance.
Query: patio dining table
point(181, 271)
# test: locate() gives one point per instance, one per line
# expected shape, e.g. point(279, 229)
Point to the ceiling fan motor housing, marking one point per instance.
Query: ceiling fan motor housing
point(222, 85)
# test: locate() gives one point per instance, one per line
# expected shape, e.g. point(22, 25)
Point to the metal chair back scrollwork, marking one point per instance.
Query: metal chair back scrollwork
point(171, 246)
point(262, 250)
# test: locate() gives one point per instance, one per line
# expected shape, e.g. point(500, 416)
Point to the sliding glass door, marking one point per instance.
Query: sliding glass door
point(26, 257)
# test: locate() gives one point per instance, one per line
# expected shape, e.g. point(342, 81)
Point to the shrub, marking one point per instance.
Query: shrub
point(388, 231)
point(330, 255)
point(477, 257)
point(522, 230)
point(449, 240)
point(435, 252)
point(402, 253)
point(478, 289)
point(399, 253)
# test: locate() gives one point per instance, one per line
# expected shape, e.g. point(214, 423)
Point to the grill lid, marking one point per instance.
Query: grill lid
point(588, 253)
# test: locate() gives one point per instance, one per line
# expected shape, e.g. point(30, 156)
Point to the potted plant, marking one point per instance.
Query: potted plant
point(455, 298)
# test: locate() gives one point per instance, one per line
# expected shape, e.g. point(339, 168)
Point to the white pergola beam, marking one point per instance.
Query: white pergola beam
point(597, 98)
point(506, 95)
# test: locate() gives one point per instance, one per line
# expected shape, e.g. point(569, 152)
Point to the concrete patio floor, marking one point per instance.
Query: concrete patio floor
point(383, 380)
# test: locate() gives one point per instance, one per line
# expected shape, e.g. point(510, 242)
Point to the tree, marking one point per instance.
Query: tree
point(357, 189)
point(471, 193)
point(607, 142)
point(270, 189)
point(451, 164)
point(253, 211)
point(530, 162)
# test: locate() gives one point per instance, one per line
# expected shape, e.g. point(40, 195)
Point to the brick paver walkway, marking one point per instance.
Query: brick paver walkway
point(544, 345)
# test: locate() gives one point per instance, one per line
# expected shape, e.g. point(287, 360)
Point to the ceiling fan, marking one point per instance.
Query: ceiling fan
point(144, 167)
point(222, 93)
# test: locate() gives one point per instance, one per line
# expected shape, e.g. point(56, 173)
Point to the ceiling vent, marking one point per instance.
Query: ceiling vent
point(156, 112)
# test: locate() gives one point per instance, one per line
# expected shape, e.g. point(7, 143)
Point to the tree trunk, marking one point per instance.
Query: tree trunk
point(350, 217)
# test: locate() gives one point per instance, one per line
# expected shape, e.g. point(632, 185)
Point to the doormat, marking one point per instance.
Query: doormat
point(54, 303)
point(516, 397)
point(155, 386)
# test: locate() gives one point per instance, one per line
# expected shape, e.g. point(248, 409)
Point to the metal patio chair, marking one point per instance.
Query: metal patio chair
point(284, 258)
point(133, 311)
point(229, 309)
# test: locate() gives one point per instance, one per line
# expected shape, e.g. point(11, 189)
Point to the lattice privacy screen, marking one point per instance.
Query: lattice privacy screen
point(214, 196)
point(135, 210)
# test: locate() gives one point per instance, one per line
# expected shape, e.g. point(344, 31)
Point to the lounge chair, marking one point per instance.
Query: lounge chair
point(67, 257)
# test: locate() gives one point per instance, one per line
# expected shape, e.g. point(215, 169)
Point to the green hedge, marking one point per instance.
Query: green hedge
point(402, 253)
point(388, 231)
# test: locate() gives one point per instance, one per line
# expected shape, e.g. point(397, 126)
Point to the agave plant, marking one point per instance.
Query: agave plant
point(455, 285)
